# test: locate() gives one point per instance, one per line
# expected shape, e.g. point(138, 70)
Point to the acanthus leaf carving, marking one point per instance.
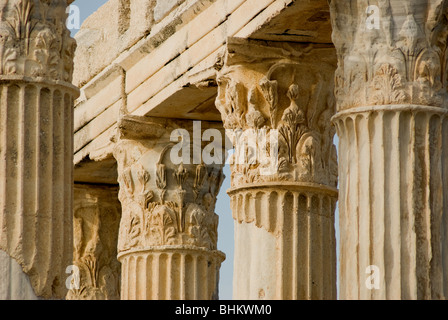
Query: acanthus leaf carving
point(270, 92)
point(134, 231)
point(294, 106)
point(96, 224)
point(181, 175)
point(160, 197)
point(254, 118)
point(387, 86)
point(294, 124)
point(199, 180)
point(162, 223)
point(161, 180)
point(34, 40)
point(410, 52)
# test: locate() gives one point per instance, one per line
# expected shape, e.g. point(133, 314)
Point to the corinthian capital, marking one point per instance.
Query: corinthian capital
point(390, 52)
point(34, 40)
point(283, 91)
point(96, 218)
point(165, 203)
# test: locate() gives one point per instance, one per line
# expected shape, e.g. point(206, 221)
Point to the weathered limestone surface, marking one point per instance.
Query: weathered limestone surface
point(128, 22)
point(168, 232)
point(170, 71)
point(97, 213)
point(283, 88)
point(267, 67)
point(36, 148)
point(165, 67)
point(391, 88)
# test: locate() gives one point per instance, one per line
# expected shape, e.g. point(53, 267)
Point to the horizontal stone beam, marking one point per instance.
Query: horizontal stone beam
point(172, 74)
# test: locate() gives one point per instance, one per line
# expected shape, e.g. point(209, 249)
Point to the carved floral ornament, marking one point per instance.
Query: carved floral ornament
point(276, 88)
point(96, 221)
point(402, 62)
point(165, 203)
point(34, 40)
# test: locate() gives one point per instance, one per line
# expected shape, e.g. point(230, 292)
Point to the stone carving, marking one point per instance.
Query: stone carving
point(167, 207)
point(295, 224)
point(263, 88)
point(36, 115)
point(285, 91)
point(97, 214)
point(156, 213)
point(402, 62)
point(388, 187)
point(391, 87)
point(34, 40)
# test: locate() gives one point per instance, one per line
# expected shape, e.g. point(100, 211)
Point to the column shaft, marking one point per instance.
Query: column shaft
point(284, 207)
point(394, 209)
point(171, 273)
point(36, 148)
point(295, 228)
point(391, 120)
point(168, 232)
point(36, 191)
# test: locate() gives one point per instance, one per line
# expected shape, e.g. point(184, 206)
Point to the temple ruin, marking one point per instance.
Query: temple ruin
point(86, 124)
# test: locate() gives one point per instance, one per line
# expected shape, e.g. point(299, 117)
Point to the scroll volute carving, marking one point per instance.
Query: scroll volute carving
point(34, 40)
point(402, 62)
point(285, 89)
point(165, 203)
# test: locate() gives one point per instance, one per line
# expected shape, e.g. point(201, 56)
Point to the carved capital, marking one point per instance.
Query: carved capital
point(34, 40)
point(97, 213)
point(164, 204)
point(284, 92)
point(400, 58)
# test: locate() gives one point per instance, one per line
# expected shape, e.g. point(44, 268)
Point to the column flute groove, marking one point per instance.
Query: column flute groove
point(35, 208)
point(283, 122)
point(168, 211)
point(393, 77)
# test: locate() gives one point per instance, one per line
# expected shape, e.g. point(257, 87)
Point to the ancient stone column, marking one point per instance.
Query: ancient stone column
point(280, 97)
point(168, 232)
point(391, 88)
point(97, 214)
point(36, 149)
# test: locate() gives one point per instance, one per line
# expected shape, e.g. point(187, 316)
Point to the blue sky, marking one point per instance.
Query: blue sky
point(226, 238)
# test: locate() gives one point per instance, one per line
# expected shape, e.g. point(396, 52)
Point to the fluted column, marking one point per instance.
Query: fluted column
point(36, 149)
point(276, 101)
point(169, 231)
point(391, 88)
point(97, 214)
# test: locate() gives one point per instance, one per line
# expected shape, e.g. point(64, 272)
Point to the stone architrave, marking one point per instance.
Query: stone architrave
point(391, 91)
point(169, 230)
point(285, 244)
point(97, 214)
point(36, 149)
